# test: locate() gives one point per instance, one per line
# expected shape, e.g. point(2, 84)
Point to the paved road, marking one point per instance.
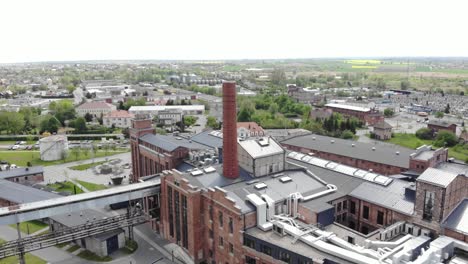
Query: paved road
point(61, 172)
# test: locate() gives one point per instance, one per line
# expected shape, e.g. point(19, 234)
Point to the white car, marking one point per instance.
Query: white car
point(13, 166)
point(15, 147)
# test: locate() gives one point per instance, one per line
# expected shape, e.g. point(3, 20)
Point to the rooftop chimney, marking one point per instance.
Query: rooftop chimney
point(230, 164)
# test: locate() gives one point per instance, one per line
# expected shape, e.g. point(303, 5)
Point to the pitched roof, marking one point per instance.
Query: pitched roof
point(380, 153)
point(95, 105)
point(382, 125)
point(21, 172)
point(119, 114)
point(262, 147)
point(440, 123)
point(252, 126)
point(18, 193)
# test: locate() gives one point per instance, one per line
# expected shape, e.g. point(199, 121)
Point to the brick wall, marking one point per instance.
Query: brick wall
point(456, 235)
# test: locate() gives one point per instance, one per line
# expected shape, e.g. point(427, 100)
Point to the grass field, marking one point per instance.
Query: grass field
point(73, 248)
point(86, 166)
point(30, 259)
point(362, 62)
point(65, 187)
point(88, 255)
point(21, 158)
point(91, 186)
point(31, 226)
point(459, 152)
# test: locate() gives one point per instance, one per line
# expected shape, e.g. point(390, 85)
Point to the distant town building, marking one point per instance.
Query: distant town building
point(96, 109)
point(249, 129)
point(169, 117)
point(304, 95)
point(24, 175)
point(118, 118)
point(437, 125)
point(382, 130)
point(153, 110)
point(366, 115)
point(320, 113)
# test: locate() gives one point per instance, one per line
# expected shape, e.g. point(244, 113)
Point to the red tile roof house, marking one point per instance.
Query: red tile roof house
point(118, 118)
point(97, 109)
point(249, 129)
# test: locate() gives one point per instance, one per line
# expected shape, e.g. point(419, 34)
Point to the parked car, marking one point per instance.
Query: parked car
point(29, 147)
point(13, 166)
point(3, 162)
point(17, 142)
point(10, 147)
point(15, 147)
point(22, 143)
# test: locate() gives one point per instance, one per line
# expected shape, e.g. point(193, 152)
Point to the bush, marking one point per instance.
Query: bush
point(347, 134)
point(445, 139)
point(424, 133)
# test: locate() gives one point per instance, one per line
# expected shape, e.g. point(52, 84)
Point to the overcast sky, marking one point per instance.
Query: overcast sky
point(47, 30)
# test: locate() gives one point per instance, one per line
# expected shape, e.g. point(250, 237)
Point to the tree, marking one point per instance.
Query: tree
point(389, 112)
point(89, 95)
point(85, 152)
point(424, 133)
point(88, 117)
point(439, 114)
point(80, 125)
point(70, 88)
point(445, 139)
point(211, 122)
point(347, 134)
point(278, 76)
point(11, 122)
point(62, 110)
point(76, 152)
point(404, 85)
point(190, 120)
point(447, 109)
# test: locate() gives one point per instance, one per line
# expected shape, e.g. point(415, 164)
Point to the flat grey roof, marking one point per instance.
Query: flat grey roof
point(391, 196)
point(21, 172)
point(457, 220)
point(262, 147)
point(383, 153)
point(453, 167)
point(170, 142)
point(18, 193)
point(78, 217)
point(207, 139)
point(437, 177)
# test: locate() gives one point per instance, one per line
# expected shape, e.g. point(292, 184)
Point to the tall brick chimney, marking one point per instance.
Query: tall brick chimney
point(230, 164)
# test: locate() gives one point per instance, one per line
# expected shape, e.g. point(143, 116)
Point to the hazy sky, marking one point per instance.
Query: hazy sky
point(47, 30)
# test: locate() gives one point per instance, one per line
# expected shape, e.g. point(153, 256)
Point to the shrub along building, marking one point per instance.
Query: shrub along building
point(257, 203)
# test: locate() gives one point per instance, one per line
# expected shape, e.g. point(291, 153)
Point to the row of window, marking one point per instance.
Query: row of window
point(221, 219)
point(267, 250)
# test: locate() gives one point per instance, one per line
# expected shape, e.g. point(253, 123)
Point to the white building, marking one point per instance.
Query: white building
point(260, 157)
point(97, 109)
point(53, 147)
point(154, 109)
point(118, 118)
point(169, 117)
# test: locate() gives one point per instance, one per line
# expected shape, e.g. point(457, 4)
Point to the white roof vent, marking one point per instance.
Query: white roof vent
point(209, 169)
point(352, 145)
point(285, 179)
point(398, 152)
point(313, 138)
point(373, 148)
point(332, 141)
point(196, 173)
point(260, 186)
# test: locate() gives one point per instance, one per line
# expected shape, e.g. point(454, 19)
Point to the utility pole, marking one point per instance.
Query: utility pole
point(20, 246)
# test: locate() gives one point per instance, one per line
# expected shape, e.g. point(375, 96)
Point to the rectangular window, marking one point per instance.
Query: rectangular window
point(220, 219)
point(171, 213)
point(231, 225)
point(221, 241)
point(338, 207)
point(249, 242)
point(365, 212)
point(285, 256)
point(250, 260)
point(380, 218)
point(266, 250)
point(231, 248)
point(210, 212)
point(177, 215)
point(345, 205)
point(428, 205)
point(184, 222)
point(352, 208)
point(211, 233)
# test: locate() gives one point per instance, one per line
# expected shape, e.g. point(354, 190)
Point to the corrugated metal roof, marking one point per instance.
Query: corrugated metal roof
point(207, 139)
point(437, 177)
point(382, 153)
point(391, 196)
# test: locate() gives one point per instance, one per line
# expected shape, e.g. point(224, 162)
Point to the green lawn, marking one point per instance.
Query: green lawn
point(459, 152)
point(22, 157)
point(91, 186)
point(86, 166)
point(65, 187)
point(73, 248)
point(130, 247)
point(88, 255)
point(30, 259)
point(33, 226)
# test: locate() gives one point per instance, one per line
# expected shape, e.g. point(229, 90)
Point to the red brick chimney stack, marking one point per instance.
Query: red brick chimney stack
point(230, 163)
